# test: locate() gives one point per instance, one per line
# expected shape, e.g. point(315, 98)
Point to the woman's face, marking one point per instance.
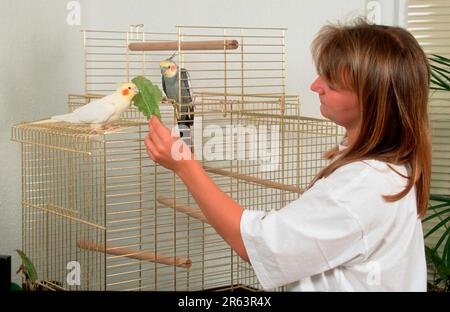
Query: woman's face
point(338, 105)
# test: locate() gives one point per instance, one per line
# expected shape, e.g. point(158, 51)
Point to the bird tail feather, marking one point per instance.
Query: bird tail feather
point(58, 118)
point(65, 117)
point(44, 121)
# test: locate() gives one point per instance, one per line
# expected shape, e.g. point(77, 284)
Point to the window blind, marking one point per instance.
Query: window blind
point(429, 22)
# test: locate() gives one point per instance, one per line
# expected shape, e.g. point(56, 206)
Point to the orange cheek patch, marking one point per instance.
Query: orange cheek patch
point(172, 67)
point(125, 92)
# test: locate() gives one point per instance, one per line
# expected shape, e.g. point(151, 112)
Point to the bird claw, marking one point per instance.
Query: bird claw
point(111, 127)
point(106, 128)
point(96, 131)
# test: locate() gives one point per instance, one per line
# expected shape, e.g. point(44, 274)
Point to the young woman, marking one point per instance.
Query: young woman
point(357, 227)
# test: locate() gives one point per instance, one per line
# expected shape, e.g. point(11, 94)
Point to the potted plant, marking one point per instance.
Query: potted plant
point(30, 277)
point(438, 255)
point(438, 252)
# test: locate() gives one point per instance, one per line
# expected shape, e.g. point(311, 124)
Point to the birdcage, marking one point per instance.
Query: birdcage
point(98, 214)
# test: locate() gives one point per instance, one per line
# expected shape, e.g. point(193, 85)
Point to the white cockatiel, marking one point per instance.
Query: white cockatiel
point(101, 112)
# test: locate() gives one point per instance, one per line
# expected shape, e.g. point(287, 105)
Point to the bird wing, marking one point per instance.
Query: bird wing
point(186, 97)
point(98, 111)
point(185, 86)
point(164, 85)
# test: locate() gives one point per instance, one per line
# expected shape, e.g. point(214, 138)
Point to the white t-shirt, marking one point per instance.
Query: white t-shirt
point(341, 235)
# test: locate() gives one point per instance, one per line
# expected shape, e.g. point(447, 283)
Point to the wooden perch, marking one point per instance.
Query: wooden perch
point(185, 45)
point(249, 178)
point(135, 254)
point(182, 208)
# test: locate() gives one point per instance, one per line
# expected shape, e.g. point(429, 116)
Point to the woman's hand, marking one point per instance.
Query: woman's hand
point(166, 148)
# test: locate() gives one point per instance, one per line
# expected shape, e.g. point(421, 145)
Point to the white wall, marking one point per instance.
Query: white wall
point(41, 59)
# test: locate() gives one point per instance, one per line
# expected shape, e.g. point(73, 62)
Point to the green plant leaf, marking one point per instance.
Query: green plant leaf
point(442, 270)
point(439, 61)
point(438, 89)
point(436, 214)
point(149, 96)
point(28, 265)
point(441, 240)
point(15, 287)
point(442, 76)
point(441, 70)
point(441, 81)
point(436, 227)
point(442, 198)
point(439, 58)
point(446, 252)
point(444, 204)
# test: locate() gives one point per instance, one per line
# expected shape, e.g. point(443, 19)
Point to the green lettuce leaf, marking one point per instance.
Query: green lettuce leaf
point(149, 96)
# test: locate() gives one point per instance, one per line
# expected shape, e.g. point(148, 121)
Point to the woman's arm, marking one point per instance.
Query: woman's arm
point(222, 212)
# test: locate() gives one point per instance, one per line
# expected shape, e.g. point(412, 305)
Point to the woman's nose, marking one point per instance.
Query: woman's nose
point(316, 86)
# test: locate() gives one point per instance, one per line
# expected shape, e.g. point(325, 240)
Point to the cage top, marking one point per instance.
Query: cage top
point(231, 27)
point(65, 128)
point(74, 138)
point(140, 27)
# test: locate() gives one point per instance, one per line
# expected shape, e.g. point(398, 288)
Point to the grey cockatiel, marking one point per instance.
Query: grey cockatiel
point(170, 83)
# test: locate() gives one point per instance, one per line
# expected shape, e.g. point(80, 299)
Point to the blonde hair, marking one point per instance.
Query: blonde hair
point(389, 72)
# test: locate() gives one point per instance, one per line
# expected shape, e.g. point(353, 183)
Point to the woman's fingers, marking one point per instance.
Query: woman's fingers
point(159, 142)
point(158, 128)
point(155, 135)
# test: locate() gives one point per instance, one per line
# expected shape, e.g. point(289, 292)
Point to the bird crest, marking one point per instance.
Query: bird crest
point(172, 56)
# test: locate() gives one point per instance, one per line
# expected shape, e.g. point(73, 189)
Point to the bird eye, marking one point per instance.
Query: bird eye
point(129, 88)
